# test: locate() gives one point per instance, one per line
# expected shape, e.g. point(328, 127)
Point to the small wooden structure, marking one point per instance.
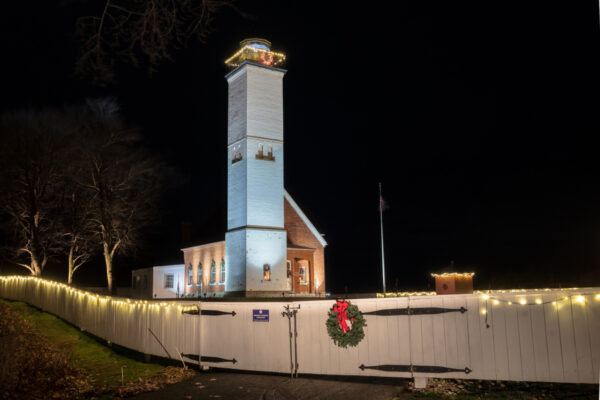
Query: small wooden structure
point(454, 282)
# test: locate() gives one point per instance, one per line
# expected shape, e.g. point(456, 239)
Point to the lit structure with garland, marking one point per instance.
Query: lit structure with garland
point(454, 282)
point(257, 51)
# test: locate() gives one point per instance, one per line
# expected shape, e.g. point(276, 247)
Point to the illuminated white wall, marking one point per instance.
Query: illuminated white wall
point(264, 193)
point(255, 103)
point(235, 260)
point(255, 119)
point(237, 175)
point(159, 291)
point(264, 102)
point(255, 186)
point(266, 247)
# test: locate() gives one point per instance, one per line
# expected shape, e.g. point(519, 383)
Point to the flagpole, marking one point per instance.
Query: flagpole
point(381, 224)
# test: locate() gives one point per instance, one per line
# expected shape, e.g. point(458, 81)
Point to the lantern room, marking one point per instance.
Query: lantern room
point(257, 51)
point(454, 282)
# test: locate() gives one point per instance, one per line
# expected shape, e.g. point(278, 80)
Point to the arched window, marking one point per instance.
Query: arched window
point(199, 280)
point(213, 273)
point(190, 274)
point(223, 271)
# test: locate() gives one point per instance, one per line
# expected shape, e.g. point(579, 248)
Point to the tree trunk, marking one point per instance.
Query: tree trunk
point(70, 261)
point(35, 266)
point(108, 260)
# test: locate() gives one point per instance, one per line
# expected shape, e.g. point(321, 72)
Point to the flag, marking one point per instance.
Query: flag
point(382, 204)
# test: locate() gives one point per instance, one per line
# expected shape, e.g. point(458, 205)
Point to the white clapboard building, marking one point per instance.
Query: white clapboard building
point(159, 282)
point(271, 248)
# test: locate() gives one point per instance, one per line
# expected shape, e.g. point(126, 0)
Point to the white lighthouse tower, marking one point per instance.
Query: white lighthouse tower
point(256, 242)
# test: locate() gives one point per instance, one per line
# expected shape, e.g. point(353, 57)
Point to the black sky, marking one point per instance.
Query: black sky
point(479, 119)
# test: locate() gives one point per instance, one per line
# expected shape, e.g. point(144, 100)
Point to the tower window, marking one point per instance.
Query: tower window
point(223, 271)
point(266, 272)
point(213, 273)
point(199, 277)
point(237, 155)
point(261, 153)
point(190, 274)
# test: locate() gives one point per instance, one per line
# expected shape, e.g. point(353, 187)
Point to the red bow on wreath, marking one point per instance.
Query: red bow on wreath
point(340, 308)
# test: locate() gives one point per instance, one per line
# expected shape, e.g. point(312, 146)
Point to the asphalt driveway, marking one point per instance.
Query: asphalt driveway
point(229, 385)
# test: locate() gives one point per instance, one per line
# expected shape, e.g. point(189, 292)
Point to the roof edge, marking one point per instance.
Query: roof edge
point(304, 218)
point(239, 68)
point(202, 245)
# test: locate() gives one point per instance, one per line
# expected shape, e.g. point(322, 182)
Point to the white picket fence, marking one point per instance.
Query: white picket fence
point(553, 337)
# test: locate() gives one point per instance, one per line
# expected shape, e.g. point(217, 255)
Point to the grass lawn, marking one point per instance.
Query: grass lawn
point(102, 364)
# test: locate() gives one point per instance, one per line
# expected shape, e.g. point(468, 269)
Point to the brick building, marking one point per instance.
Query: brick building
point(206, 266)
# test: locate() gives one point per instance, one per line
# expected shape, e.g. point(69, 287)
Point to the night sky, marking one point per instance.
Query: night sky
point(480, 121)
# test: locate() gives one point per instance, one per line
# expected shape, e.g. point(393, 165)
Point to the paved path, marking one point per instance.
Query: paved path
point(229, 385)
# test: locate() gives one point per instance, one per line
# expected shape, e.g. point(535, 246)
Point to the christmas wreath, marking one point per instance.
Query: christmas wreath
point(345, 324)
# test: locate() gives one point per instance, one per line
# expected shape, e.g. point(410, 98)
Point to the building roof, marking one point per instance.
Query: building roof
point(453, 275)
point(304, 218)
point(159, 266)
point(203, 245)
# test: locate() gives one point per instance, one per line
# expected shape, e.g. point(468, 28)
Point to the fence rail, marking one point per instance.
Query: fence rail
point(549, 335)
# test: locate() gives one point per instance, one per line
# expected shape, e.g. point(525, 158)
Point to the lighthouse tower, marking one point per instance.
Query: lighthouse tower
point(256, 242)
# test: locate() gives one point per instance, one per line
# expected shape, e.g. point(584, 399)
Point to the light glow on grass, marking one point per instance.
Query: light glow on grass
point(101, 362)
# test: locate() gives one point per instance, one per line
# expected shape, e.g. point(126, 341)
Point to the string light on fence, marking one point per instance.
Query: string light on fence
point(484, 293)
point(404, 294)
point(576, 298)
point(83, 295)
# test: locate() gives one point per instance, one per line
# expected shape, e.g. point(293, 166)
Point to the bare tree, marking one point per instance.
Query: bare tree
point(78, 239)
point(30, 161)
point(75, 181)
point(142, 32)
point(124, 181)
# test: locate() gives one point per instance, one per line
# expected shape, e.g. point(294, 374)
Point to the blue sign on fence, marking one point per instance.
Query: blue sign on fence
point(260, 315)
